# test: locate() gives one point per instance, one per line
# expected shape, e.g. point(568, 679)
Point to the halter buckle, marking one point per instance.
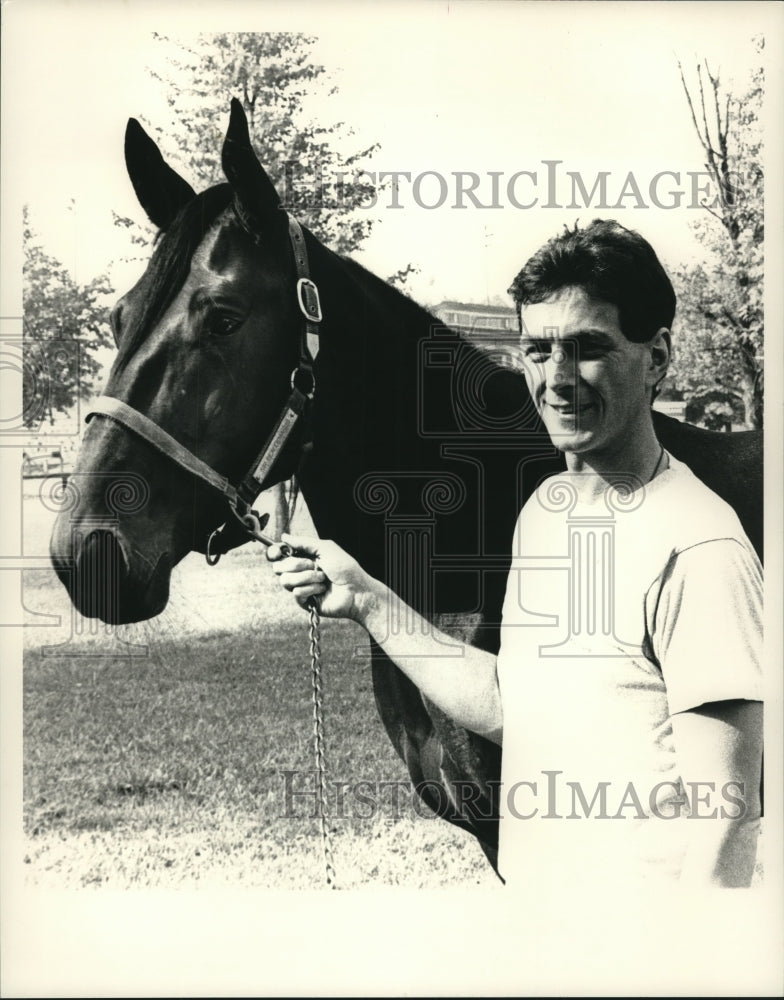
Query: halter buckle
point(309, 301)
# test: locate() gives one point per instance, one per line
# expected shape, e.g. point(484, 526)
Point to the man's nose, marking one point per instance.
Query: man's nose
point(560, 368)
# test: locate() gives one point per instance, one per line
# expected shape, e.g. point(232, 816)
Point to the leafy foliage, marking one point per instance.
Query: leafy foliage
point(141, 234)
point(314, 166)
point(400, 278)
point(720, 343)
point(65, 324)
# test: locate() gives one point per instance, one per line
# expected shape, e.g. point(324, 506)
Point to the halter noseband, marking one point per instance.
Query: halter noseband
point(240, 498)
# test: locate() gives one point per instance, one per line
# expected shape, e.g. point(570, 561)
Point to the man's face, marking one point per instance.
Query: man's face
point(590, 384)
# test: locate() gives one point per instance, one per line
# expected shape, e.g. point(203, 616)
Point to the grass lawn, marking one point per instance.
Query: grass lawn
point(171, 767)
point(168, 768)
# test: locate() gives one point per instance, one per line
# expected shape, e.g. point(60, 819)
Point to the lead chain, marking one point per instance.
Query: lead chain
point(319, 743)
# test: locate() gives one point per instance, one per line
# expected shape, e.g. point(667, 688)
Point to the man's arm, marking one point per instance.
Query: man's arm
point(719, 747)
point(708, 637)
point(460, 679)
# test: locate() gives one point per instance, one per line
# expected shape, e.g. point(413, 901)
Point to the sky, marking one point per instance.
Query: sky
point(492, 89)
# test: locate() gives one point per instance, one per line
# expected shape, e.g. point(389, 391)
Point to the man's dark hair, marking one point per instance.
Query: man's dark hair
point(610, 263)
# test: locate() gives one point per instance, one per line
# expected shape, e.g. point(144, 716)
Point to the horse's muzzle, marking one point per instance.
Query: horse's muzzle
point(102, 583)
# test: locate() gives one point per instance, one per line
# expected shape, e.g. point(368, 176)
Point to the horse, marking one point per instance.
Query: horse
point(414, 448)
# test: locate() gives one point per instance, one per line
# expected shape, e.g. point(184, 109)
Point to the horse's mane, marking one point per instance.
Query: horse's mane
point(386, 294)
point(360, 300)
point(170, 262)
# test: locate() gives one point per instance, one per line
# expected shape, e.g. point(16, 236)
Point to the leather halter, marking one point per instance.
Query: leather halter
point(245, 522)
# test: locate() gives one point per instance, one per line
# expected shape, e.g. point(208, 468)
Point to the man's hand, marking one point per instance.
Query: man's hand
point(459, 678)
point(323, 570)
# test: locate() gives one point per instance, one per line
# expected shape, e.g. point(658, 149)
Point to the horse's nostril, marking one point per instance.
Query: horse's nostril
point(100, 572)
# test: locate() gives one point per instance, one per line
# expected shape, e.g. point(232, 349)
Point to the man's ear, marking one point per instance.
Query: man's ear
point(660, 348)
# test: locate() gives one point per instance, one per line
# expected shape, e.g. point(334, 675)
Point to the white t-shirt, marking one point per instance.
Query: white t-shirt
point(618, 613)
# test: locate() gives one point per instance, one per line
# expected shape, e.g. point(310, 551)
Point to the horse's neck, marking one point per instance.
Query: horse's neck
point(372, 344)
point(368, 377)
point(394, 461)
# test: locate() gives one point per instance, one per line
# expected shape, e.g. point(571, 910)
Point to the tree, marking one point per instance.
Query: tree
point(65, 324)
point(315, 166)
point(720, 349)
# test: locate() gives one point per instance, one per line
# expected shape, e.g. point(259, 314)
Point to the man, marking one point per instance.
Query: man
point(627, 690)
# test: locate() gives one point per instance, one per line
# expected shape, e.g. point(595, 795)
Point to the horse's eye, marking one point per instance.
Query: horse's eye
point(222, 324)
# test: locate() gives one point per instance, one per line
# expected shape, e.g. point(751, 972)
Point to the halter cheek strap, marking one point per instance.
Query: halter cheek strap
point(243, 523)
point(108, 406)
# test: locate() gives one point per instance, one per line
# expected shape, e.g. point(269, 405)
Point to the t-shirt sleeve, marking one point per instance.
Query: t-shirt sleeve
point(705, 623)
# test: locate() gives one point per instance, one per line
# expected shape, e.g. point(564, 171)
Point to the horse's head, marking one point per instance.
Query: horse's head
point(207, 341)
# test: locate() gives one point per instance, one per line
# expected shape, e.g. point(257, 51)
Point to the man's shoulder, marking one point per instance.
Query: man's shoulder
point(697, 513)
point(677, 509)
point(681, 515)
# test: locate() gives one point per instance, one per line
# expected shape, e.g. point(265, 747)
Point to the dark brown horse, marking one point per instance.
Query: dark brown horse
point(415, 453)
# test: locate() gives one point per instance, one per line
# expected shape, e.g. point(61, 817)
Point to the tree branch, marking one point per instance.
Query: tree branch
point(691, 105)
point(710, 211)
point(707, 143)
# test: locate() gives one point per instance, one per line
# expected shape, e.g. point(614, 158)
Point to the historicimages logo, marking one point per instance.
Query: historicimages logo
point(549, 795)
point(546, 184)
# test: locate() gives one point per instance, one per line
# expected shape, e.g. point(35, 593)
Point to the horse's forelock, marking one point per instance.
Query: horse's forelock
point(170, 262)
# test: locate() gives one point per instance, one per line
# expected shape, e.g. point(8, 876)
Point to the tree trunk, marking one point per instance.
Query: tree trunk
point(758, 409)
point(751, 393)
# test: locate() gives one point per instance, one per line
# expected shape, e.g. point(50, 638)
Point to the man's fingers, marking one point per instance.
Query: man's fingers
point(302, 545)
point(293, 564)
point(296, 580)
point(299, 544)
point(304, 594)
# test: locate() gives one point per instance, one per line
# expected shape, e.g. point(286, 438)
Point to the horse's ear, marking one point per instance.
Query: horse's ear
point(160, 190)
point(255, 197)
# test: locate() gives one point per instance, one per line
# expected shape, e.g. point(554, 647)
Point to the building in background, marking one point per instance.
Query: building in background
point(490, 326)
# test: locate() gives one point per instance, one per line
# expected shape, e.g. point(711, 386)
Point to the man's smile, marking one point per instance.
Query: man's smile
point(565, 409)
